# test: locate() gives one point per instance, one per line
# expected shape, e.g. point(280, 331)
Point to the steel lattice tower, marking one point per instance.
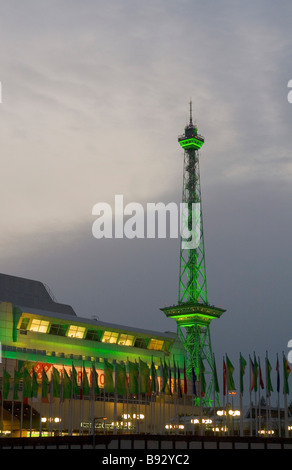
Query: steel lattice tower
point(193, 313)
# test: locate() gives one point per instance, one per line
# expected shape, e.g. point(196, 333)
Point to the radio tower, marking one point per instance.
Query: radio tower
point(193, 313)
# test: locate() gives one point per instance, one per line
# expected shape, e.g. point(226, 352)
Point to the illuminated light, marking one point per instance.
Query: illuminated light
point(39, 326)
point(76, 331)
point(266, 431)
point(57, 420)
point(156, 344)
point(110, 337)
point(126, 340)
point(191, 143)
point(44, 420)
point(195, 421)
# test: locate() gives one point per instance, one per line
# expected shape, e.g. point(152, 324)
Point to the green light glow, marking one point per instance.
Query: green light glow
point(191, 143)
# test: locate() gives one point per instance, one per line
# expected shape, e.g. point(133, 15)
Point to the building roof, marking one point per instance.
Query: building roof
point(31, 294)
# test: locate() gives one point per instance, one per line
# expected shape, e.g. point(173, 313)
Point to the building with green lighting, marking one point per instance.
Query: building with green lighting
point(38, 335)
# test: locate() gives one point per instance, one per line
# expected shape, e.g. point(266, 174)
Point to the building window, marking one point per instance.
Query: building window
point(92, 335)
point(126, 340)
point(59, 330)
point(76, 331)
point(140, 343)
point(40, 326)
point(24, 324)
point(156, 344)
point(110, 337)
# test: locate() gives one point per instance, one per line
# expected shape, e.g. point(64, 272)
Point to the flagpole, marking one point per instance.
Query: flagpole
point(259, 397)
point(12, 409)
point(285, 391)
point(251, 375)
point(278, 390)
point(240, 393)
point(115, 400)
point(21, 409)
point(2, 400)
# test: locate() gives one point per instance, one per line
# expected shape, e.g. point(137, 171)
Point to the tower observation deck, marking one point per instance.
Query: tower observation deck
point(193, 313)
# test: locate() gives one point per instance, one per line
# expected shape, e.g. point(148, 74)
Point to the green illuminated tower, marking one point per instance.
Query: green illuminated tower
point(193, 313)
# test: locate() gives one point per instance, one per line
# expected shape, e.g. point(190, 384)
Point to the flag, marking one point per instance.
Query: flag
point(260, 376)
point(242, 372)
point(202, 378)
point(185, 379)
point(194, 378)
point(94, 381)
point(121, 379)
point(34, 384)
point(144, 374)
point(286, 372)
point(256, 373)
point(17, 377)
point(26, 384)
point(230, 370)
point(224, 377)
point(174, 377)
point(165, 386)
point(6, 384)
point(278, 375)
point(108, 377)
point(170, 379)
point(85, 383)
point(67, 382)
point(153, 377)
point(133, 378)
point(76, 392)
point(268, 378)
point(56, 382)
point(179, 391)
point(45, 385)
point(251, 375)
point(216, 383)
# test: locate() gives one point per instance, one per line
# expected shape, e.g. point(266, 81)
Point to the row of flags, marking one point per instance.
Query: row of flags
point(140, 378)
point(132, 378)
point(256, 376)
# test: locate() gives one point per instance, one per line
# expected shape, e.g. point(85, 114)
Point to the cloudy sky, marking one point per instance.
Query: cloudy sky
point(94, 95)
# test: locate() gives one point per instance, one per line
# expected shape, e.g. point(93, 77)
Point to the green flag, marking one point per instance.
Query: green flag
point(133, 378)
point(242, 372)
point(202, 378)
point(165, 374)
point(153, 377)
point(268, 377)
point(26, 383)
point(6, 384)
point(45, 384)
point(174, 377)
point(85, 383)
point(94, 381)
point(216, 383)
point(108, 377)
point(67, 385)
point(76, 392)
point(34, 384)
point(17, 378)
point(256, 373)
point(121, 379)
point(230, 370)
point(144, 377)
point(56, 382)
point(286, 370)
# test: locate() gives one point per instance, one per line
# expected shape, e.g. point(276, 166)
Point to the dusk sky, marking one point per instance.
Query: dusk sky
point(94, 96)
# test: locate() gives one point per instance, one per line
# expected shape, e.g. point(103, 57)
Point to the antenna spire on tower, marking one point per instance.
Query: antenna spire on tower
point(191, 112)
